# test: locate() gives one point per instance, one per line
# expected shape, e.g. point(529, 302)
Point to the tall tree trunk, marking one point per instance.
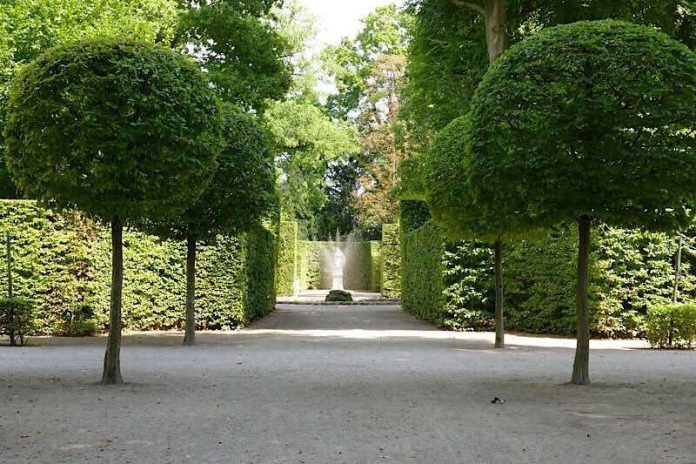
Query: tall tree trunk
point(8, 259)
point(496, 29)
point(112, 358)
point(190, 335)
point(499, 320)
point(581, 374)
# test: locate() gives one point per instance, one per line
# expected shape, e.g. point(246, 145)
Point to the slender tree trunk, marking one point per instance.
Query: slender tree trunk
point(499, 320)
point(11, 332)
point(112, 359)
point(190, 335)
point(581, 374)
point(496, 29)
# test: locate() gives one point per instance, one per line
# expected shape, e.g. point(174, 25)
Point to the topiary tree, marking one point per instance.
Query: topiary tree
point(446, 189)
point(241, 193)
point(120, 130)
point(587, 122)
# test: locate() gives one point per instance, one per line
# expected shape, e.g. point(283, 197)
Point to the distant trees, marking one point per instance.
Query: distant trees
point(120, 130)
point(240, 194)
point(592, 121)
point(369, 73)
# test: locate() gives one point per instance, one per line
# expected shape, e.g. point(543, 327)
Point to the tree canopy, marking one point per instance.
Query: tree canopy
point(30, 27)
point(113, 128)
point(447, 53)
point(590, 119)
point(242, 191)
point(237, 43)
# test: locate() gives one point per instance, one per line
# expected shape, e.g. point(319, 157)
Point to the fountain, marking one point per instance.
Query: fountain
point(339, 261)
point(336, 260)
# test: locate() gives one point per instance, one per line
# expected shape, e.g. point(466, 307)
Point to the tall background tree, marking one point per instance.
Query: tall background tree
point(368, 73)
point(238, 44)
point(120, 130)
point(309, 143)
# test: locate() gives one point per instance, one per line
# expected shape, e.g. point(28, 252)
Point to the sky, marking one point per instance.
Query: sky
point(339, 18)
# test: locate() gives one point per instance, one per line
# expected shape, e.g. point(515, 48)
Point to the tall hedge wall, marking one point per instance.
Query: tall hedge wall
point(287, 258)
point(391, 261)
point(62, 260)
point(422, 272)
point(452, 284)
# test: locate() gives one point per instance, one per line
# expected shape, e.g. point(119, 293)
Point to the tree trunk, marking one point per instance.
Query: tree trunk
point(581, 375)
point(496, 29)
point(11, 315)
point(112, 359)
point(499, 321)
point(190, 335)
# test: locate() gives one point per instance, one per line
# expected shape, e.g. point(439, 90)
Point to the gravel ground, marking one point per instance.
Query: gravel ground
point(350, 384)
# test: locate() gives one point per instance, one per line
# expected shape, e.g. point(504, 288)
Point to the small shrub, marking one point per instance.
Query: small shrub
point(79, 322)
point(339, 295)
point(16, 318)
point(671, 326)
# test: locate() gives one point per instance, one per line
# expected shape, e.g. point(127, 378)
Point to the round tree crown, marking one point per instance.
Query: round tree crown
point(242, 191)
point(591, 119)
point(113, 128)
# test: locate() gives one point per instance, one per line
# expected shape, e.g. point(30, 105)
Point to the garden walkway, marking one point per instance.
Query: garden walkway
point(345, 384)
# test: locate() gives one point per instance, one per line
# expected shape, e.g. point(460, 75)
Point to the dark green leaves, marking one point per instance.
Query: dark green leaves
point(589, 119)
point(113, 127)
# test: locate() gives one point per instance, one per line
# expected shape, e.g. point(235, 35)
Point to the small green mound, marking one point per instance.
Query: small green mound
point(338, 295)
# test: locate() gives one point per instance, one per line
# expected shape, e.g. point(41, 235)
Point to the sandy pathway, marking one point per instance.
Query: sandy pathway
point(351, 384)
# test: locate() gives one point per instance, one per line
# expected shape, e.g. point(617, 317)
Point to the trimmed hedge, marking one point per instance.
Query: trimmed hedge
point(287, 258)
point(61, 260)
point(422, 279)
point(630, 272)
point(391, 261)
point(672, 325)
point(375, 266)
point(311, 259)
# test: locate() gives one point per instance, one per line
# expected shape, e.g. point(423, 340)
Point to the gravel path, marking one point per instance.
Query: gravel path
point(350, 384)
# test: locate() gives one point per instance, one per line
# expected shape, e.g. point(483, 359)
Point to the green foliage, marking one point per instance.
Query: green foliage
point(242, 191)
point(286, 269)
point(447, 59)
point(113, 128)
point(447, 50)
point(375, 266)
point(540, 284)
point(61, 260)
point(468, 294)
point(591, 119)
point(30, 27)
point(338, 296)
point(422, 281)
point(352, 62)
point(260, 265)
point(16, 318)
point(391, 261)
point(306, 142)
point(238, 45)
point(672, 325)
point(630, 271)
point(413, 214)
point(312, 258)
